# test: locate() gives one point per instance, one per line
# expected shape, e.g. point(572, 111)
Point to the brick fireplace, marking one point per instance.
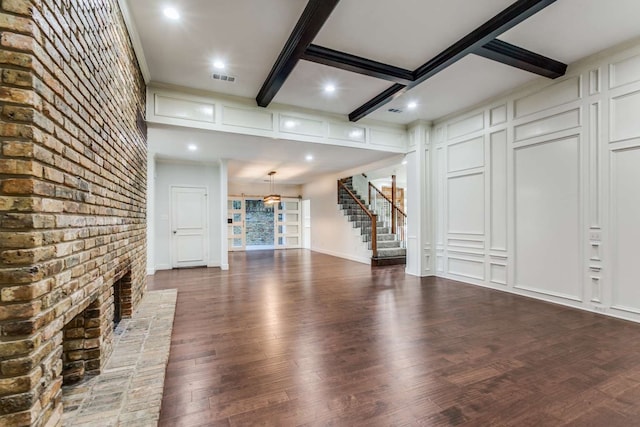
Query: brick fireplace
point(72, 197)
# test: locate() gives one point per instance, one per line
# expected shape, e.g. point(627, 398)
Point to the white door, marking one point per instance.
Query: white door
point(235, 224)
point(288, 229)
point(189, 228)
point(306, 224)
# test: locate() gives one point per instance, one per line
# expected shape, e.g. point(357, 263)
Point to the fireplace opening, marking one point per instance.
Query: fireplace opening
point(81, 346)
point(117, 302)
point(88, 337)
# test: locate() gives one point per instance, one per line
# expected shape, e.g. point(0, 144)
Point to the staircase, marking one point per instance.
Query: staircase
point(390, 250)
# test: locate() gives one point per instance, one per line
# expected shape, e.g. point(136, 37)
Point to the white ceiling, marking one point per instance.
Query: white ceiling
point(250, 158)
point(249, 35)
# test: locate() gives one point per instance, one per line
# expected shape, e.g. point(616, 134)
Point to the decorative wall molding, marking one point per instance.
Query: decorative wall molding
point(168, 105)
point(561, 204)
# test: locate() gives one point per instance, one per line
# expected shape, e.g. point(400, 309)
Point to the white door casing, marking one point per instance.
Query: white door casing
point(287, 224)
point(189, 227)
point(306, 224)
point(236, 231)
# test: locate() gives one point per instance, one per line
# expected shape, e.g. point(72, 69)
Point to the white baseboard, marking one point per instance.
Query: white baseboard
point(151, 271)
point(345, 256)
point(163, 267)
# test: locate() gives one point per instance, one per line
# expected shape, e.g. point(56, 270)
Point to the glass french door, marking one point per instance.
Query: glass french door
point(235, 224)
point(288, 219)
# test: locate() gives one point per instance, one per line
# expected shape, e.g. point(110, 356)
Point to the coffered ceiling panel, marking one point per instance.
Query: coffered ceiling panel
point(458, 88)
point(569, 30)
point(404, 33)
point(246, 34)
point(305, 88)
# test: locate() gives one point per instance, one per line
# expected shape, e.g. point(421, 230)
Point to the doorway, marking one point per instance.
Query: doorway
point(252, 225)
point(189, 226)
point(259, 225)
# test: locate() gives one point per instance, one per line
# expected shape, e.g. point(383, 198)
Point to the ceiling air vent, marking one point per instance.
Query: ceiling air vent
point(394, 110)
point(223, 77)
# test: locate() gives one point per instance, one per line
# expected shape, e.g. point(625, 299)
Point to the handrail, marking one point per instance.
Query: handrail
point(395, 210)
point(372, 216)
point(386, 198)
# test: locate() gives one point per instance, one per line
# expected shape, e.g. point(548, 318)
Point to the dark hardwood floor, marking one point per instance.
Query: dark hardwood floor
point(299, 338)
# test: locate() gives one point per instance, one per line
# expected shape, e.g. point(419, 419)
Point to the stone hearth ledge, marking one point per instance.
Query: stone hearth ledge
point(128, 392)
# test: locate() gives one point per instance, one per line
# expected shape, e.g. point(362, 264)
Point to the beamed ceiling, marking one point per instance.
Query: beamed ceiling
point(443, 55)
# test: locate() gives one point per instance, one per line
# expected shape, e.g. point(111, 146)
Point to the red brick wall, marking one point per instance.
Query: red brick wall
point(72, 188)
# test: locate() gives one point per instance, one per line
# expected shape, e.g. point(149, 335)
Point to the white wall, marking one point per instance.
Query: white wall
point(331, 232)
point(170, 174)
point(538, 193)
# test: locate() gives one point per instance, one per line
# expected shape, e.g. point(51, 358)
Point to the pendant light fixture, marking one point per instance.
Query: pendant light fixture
point(272, 198)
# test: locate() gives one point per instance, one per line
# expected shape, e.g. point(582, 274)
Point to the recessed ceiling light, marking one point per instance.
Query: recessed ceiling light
point(356, 133)
point(329, 88)
point(171, 13)
point(309, 157)
point(219, 65)
point(192, 147)
point(412, 105)
point(404, 162)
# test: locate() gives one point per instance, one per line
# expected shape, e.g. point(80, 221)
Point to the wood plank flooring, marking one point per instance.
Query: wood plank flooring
point(299, 338)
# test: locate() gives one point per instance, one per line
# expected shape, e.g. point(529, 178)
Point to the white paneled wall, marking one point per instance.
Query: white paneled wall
point(204, 110)
point(538, 193)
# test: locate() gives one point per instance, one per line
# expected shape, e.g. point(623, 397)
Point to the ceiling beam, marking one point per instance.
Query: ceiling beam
point(523, 59)
point(311, 21)
point(357, 64)
point(503, 21)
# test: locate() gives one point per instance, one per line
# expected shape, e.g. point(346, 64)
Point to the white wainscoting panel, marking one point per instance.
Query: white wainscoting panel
point(556, 94)
point(245, 117)
point(498, 115)
point(466, 267)
point(555, 123)
point(301, 125)
point(625, 170)
point(624, 72)
point(595, 128)
point(347, 132)
point(498, 190)
point(595, 81)
point(498, 273)
point(440, 196)
point(183, 109)
point(625, 119)
point(466, 204)
point(388, 138)
point(547, 217)
point(466, 154)
point(465, 126)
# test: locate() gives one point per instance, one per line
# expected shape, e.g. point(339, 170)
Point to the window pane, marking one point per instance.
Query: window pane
point(237, 230)
point(237, 217)
point(237, 204)
point(237, 243)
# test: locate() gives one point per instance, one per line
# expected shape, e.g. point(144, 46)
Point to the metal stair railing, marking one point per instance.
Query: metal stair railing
point(392, 216)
